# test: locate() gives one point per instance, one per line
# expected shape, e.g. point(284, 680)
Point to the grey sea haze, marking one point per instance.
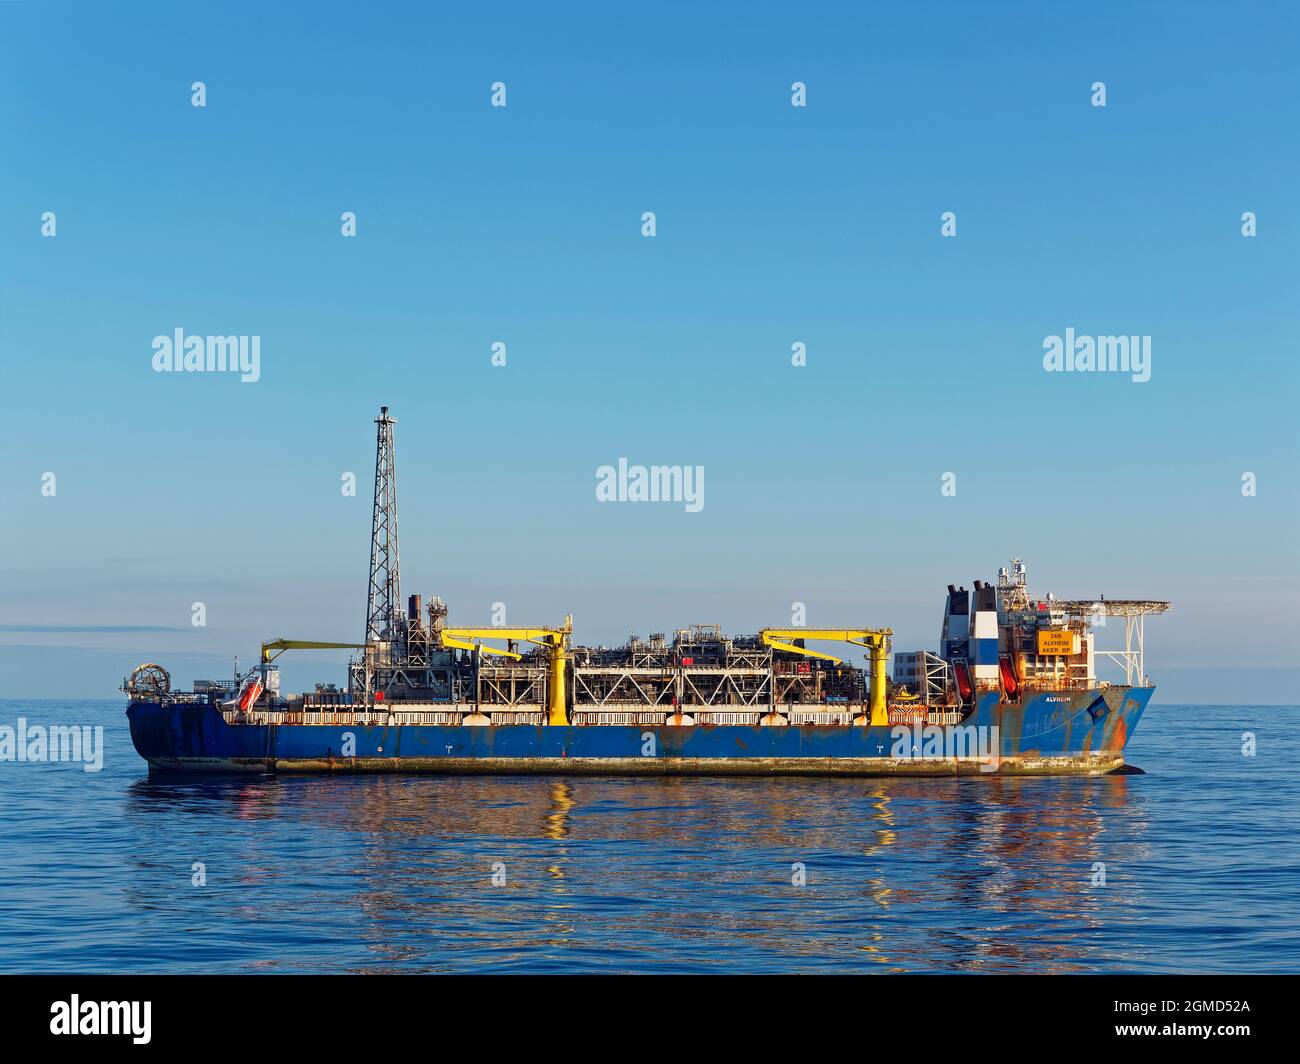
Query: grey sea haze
point(98, 870)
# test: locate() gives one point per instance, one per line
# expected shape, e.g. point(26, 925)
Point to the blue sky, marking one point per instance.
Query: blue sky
point(522, 224)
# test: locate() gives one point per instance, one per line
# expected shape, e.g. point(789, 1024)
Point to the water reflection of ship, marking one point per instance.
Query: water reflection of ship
point(1029, 848)
point(889, 863)
point(1050, 844)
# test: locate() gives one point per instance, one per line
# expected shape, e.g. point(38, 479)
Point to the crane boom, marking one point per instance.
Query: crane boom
point(465, 644)
point(864, 637)
point(281, 645)
point(531, 635)
point(793, 649)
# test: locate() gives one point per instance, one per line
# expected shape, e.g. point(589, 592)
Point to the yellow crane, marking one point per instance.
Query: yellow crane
point(279, 646)
point(876, 640)
point(554, 639)
point(466, 644)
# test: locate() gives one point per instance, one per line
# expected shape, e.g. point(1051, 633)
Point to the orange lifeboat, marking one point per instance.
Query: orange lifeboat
point(1010, 681)
point(249, 693)
point(964, 687)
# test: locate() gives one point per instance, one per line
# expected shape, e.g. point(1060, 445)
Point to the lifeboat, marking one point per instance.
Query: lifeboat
point(249, 693)
point(1010, 681)
point(965, 689)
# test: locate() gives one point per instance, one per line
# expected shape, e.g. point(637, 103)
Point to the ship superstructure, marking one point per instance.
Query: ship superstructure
point(999, 637)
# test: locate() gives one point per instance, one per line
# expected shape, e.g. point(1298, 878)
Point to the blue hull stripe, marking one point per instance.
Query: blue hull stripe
point(1046, 726)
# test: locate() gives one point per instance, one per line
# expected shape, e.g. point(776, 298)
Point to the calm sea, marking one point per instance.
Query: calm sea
point(413, 874)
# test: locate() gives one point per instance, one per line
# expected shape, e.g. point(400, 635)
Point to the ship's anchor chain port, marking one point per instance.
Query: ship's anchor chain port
point(149, 679)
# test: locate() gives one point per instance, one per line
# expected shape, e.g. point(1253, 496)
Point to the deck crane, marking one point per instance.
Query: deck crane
point(556, 640)
point(249, 691)
point(876, 640)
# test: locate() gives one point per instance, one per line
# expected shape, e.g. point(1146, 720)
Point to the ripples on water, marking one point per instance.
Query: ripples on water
point(392, 873)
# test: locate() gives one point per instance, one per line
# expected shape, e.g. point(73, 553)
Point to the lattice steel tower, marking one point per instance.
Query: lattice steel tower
point(384, 617)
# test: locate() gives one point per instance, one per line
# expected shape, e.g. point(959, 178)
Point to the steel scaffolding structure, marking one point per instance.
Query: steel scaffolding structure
point(704, 670)
point(1135, 612)
point(383, 607)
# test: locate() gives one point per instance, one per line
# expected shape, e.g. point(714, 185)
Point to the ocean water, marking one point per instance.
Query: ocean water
point(396, 874)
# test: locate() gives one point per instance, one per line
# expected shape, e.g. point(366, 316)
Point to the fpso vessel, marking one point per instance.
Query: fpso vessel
point(1012, 689)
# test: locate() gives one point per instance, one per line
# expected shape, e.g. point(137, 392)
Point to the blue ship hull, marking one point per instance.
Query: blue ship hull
point(1079, 732)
